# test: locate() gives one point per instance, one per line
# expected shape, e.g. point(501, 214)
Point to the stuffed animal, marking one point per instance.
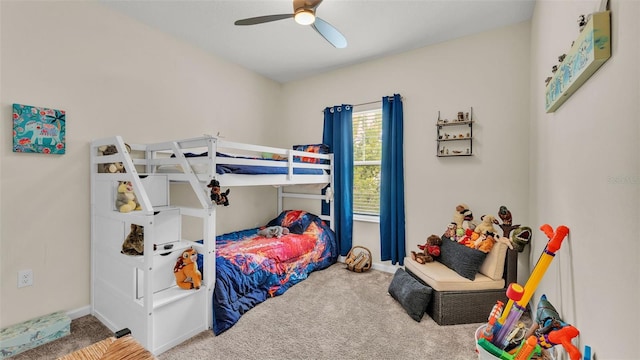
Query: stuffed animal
point(186, 270)
point(273, 232)
point(430, 250)
point(458, 215)
point(450, 233)
point(487, 244)
point(126, 199)
point(116, 167)
point(463, 217)
point(466, 238)
point(134, 242)
point(476, 240)
point(467, 222)
point(505, 215)
point(217, 196)
point(486, 225)
point(521, 237)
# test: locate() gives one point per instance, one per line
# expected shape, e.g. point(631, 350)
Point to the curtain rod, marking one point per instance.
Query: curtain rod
point(373, 102)
point(377, 101)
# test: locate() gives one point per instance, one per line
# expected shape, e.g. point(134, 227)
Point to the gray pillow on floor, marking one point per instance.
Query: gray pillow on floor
point(410, 293)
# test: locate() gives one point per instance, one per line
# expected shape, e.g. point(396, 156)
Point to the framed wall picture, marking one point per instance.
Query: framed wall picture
point(38, 130)
point(591, 49)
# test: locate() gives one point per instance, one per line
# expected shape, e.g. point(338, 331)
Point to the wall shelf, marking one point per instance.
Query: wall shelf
point(455, 136)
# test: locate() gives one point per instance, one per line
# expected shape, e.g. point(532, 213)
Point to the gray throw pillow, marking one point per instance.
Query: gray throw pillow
point(410, 293)
point(461, 259)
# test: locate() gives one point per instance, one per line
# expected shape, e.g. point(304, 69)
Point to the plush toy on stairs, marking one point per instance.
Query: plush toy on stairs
point(126, 199)
point(186, 270)
point(112, 168)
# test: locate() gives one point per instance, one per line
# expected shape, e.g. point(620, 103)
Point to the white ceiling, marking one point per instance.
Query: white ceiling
point(285, 51)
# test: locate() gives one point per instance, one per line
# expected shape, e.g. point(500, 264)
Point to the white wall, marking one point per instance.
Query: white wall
point(489, 72)
point(585, 175)
point(112, 76)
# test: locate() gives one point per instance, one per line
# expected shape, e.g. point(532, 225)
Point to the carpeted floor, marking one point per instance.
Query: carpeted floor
point(334, 314)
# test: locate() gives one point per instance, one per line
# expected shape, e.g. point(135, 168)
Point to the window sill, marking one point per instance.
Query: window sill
point(366, 218)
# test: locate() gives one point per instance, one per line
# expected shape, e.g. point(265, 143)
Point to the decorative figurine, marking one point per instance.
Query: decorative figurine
point(582, 22)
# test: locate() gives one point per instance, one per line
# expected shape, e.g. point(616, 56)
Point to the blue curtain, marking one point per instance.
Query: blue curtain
point(392, 226)
point(338, 135)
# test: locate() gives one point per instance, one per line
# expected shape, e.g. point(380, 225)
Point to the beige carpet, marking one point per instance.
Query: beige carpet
point(334, 314)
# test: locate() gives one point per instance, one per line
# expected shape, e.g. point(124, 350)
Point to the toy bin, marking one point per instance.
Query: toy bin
point(482, 353)
point(485, 355)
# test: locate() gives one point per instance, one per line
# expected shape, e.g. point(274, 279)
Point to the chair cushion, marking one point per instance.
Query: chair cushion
point(413, 296)
point(493, 265)
point(441, 278)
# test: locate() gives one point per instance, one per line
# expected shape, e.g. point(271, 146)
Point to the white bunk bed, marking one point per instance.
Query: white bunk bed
point(139, 292)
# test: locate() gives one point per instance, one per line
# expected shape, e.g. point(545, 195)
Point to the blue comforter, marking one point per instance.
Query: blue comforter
point(251, 268)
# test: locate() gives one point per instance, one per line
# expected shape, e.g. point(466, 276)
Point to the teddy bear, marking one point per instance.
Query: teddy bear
point(126, 199)
point(186, 270)
point(217, 196)
point(430, 250)
point(112, 168)
point(486, 225)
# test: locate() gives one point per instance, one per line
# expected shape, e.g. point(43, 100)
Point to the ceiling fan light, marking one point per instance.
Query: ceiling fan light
point(305, 17)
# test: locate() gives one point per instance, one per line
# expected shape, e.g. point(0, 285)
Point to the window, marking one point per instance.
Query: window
point(367, 156)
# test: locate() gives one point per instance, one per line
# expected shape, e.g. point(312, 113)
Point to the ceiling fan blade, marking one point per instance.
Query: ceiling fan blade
point(262, 19)
point(331, 34)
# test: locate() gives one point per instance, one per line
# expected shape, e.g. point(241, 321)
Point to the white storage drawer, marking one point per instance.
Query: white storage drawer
point(157, 188)
point(167, 226)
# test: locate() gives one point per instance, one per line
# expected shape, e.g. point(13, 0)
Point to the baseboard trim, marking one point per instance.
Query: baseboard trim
point(376, 266)
point(80, 312)
point(384, 267)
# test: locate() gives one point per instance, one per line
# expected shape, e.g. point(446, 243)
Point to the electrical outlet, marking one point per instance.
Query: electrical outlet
point(25, 278)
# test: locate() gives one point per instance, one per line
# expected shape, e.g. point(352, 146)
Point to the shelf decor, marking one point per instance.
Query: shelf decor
point(591, 49)
point(38, 130)
point(455, 137)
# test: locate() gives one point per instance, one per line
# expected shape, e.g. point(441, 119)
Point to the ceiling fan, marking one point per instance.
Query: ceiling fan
point(304, 13)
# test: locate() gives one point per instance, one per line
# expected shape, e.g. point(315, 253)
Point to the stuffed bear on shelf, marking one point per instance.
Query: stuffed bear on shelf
point(430, 250)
